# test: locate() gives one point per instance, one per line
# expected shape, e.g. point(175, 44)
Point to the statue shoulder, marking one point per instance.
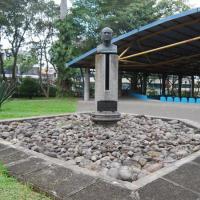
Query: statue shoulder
point(103, 49)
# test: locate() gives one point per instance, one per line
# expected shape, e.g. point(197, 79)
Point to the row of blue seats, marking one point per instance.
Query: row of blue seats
point(178, 99)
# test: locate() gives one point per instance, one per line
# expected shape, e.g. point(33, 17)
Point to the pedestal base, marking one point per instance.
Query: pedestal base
point(106, 117)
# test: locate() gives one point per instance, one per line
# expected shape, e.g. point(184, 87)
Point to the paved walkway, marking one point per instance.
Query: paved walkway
point(155, 108)
point(64, 183)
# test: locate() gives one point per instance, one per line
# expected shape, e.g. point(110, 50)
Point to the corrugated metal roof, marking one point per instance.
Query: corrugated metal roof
point(173, 29)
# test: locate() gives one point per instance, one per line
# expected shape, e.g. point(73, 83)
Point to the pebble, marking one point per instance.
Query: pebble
point(154, 167)
point(113, 172)
point(181, 153)
point(5, 135)
point(136, 142)
point(125, 173)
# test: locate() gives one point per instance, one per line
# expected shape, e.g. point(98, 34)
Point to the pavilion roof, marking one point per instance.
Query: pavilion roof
point(170, 45)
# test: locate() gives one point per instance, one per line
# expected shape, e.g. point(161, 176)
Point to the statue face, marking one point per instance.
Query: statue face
point(106, 34)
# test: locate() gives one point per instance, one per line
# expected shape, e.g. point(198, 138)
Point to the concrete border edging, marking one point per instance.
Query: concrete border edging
point(130, 186)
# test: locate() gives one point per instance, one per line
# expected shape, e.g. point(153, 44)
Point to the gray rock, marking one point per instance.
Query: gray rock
point(5, 135)
point(125, 173)
point(67, 127)
point(130, 154)
point(197, 148)
point(142, 161)
point(36, 148)
point(28, 134)
point(154, 167)
point(51, 154)
point(121, 137)
point(93, 158)
point(181, 153)
point(78, 160)
point(113, 172)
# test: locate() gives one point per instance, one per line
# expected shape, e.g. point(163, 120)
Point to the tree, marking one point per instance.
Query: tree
point(17, 17)
point(170, 7)
point(43, 37)
point(93, 15)
point(3, 4)
point(25, 62)
point(65, 48)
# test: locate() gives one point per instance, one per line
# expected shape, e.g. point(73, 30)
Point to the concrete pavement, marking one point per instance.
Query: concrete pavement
point(154, 108)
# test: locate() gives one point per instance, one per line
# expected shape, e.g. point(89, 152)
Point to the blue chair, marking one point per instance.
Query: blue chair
point(177, 99)
point(198, 100)
point(192, 100)
point(170, 99)
point(163, 99)
point(184, 100)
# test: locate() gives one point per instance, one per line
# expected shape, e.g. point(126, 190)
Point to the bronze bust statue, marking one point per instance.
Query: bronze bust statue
point(106, 46)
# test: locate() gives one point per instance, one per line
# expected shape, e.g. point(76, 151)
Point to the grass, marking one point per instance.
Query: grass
point(17, 108)
point(10, 189)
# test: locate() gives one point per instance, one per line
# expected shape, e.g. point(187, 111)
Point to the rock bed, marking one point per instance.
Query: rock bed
point(128, 150)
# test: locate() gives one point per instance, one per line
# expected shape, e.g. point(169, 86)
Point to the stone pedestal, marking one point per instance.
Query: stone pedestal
point(106, 88)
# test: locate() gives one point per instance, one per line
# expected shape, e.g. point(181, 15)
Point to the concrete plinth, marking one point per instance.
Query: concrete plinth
point(106, 88)
point(106, 117)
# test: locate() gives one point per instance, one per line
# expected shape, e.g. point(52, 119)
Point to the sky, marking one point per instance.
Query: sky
point(192, 3)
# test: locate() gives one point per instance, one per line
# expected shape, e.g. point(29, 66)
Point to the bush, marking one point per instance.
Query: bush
point(52, 91)
point(29, 88)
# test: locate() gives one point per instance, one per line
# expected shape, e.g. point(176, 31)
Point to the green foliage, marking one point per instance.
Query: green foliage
point(64, 49)
point(3, 170)
point(25, 62)
point(10, 189)
point(29, 88)
point(93, 15)
point(18, 18)
point(171, 7)
point(52, 91)
point(6, 91)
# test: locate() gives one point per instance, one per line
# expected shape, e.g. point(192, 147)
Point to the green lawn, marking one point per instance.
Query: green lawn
point(10, 189)
point(26, 108)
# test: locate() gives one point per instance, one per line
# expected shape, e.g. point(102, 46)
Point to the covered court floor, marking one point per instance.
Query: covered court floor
point(166, 47)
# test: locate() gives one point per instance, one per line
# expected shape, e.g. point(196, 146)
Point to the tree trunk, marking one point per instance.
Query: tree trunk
point(47, 75)
point(2, 67)
point(14, 67)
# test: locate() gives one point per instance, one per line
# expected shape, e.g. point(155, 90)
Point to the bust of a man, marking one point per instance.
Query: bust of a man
point(106, 46)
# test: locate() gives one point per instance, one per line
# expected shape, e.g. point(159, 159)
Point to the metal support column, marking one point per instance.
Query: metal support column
point(164, 76)
point(87, 84)
point(180, 77)
point(134, 82)
point(192, 86)
point(144, 84)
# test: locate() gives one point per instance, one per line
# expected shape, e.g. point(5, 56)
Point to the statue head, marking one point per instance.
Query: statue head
point(106, 35)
